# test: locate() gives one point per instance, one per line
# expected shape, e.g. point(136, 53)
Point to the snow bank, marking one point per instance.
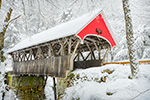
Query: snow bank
point(88, 84)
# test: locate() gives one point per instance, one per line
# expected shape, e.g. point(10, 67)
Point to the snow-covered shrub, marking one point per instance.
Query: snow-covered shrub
point(122, 55)
point(146, 53)
point(139, 45)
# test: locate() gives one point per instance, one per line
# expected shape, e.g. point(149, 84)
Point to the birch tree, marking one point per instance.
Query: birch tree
point(130, 39)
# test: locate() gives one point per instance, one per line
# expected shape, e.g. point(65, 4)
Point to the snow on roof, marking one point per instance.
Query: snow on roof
point(66, 29)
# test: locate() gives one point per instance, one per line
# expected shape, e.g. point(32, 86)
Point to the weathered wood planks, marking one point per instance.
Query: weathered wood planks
point(87, 64)
point(54, 66)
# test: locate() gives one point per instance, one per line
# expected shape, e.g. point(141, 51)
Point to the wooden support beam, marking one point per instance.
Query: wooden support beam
point(65, 42)
point(54, 83)
point(96, 46)
point(88, 46)
point(62, 49)
point(51, 49)
point(21, 56)
point(12, 56)
point(87, 56)
point(18, 56)
point(39, 53)
point(27, 56)
point(31, 53)
point(105, 56)
point(93, 55)
point(82, 56)
point(74, 42)
point(69, 46)
point(75, 57)
point(45, 80)
point(76, 47)
point(78, 56)
point(18, 85)
point(94, 41)
point(99, 53)
point(24, 55)
point(91, 39)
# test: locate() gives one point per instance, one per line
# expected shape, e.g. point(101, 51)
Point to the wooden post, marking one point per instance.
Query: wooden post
point(78, 56)
point(45, 80)
point(76, 47)
point(18, 85)
point(69, 46)
point(62, 47)
point(105, 56)
point(54, 83)
point(99, 53)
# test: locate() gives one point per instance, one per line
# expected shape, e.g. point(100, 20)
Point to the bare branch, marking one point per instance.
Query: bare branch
point(13, 19)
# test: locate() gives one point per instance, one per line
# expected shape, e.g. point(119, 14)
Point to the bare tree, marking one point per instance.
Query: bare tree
point(2, 34)
point(130, 39)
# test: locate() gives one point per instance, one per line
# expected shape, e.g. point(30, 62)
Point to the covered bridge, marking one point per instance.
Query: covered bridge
point(63, 47)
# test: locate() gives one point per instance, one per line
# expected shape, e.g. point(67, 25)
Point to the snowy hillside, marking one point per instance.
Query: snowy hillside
point(110, 82)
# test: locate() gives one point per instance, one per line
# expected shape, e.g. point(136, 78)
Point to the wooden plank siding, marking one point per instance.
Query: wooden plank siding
point(87, 64)
point(54, 66)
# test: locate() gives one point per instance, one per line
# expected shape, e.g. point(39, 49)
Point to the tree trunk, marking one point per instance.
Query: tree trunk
point(130, 39)
point(2, 34)
point(0, 3)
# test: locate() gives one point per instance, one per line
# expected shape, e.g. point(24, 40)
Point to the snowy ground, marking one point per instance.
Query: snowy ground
point(88, 84)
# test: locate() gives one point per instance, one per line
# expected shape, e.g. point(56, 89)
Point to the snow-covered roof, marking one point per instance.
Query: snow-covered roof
point(65, 29)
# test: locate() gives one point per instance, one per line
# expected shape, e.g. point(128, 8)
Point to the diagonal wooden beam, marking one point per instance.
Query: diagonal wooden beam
point(82, 55)
point(88, 46)
point(105, 55)
point(93, 55)
point(87, 56)
point(96, 46)
point(75, 57)
point(76, 46)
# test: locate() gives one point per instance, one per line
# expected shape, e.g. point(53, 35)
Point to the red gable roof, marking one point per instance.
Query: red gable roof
point(97, 24)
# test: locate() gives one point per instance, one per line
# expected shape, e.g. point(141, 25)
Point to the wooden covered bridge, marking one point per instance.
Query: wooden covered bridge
point(65, 47)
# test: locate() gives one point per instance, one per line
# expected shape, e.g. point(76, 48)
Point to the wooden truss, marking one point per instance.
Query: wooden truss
point(55, 57)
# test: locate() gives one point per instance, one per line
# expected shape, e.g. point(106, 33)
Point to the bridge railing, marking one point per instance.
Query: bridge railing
point(127, 62)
